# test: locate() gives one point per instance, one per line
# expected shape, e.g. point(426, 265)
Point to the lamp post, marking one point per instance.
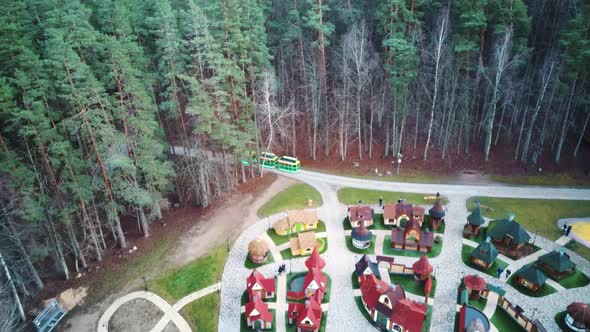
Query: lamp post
point(399, 161)
point(145, 278)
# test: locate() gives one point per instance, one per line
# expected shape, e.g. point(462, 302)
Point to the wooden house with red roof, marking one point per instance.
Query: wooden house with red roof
point(402, 212)
point(314, 284)
point(422, 268)
point(257, 283)
point(475, 285)
point(388, 307)
point(258, 317)
point(412, 237)
point(306, 316)
point(436, 213)
point(357, 213)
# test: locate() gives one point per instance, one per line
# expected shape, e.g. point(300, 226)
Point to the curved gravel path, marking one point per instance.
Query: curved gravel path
point(343, 314)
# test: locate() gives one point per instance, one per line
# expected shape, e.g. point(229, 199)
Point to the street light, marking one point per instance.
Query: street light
point(399, 161)
point(145, 278)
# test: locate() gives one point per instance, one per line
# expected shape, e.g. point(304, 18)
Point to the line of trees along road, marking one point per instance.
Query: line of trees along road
point(92, 93)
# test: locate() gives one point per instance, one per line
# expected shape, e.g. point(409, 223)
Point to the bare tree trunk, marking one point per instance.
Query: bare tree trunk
point(581, 134)
point(13, 288)
point(565, 124)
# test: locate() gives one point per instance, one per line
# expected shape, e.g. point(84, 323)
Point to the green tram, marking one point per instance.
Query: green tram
point(270, 160)
point(289, 164)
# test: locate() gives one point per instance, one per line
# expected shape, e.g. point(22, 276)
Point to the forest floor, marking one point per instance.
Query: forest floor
point(458, 169)
point(182, 236)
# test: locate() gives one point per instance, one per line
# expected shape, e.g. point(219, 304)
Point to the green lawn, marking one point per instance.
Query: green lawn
point(387, 250)
point(578, 248)
point(352, 195)
point(326, 297)
point(294, 197)
point(426, 324)
point(245, 328)
point(426, 224)
point(359, 303)
point(568, 180)
point(293, 328)
point(546, 289)
point(578, 279)
point(251, 265)
point(409, 284)
point(203, 272)
point(202, 314)
point(355, 281)
point(560, 321)
point(503, 322)
point(466, 256)
point(479, 303)
point(370, 250)
point(280, 239)
point(536, 215)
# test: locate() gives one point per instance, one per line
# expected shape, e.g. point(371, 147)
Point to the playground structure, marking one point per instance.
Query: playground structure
point(270, 160)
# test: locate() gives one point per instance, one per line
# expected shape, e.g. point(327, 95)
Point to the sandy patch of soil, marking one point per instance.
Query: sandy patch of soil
point(135, 316)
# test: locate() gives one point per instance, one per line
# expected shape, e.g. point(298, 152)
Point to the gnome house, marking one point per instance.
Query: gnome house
point(388, 306)
point(258, 317)
point(314, 283)
point(412, 237)
point(484, 255)
point(436, 213)
point(422, 268)
point(474, 222)
point(510, 238)
point(402, 212)
point(296, 221)
point(306, 316)
point(360, 213)
point(556, 264)
point(365, 267)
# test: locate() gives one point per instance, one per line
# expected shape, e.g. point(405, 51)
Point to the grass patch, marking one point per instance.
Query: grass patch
point(251, 265)
point(370, 250)
point(280, 239)
point(244, 324)
point(286, 254)
point(568, 180)
point(544, 290)
point(355, 281)
point(479, 303)
point(411, 285)
point(387, 250)
point(578, 279)
point(536, 215)
point(426, 324)
point(579, 249)
point(294, 197)
point(426, 224)
point(503, 322)
point(198, 274)
point(466, 256)
point(359, 303)
point(346, 224)
point(352, 195)
point(560, 321)
point(202, 314)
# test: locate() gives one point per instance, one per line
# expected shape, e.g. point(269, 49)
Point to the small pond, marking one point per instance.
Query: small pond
point(297, 284)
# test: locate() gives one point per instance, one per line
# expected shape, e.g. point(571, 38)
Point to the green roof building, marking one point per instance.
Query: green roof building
point(485, 254)
point(509, 237)
point(474, 221)
point(531, 277)
point(556, 264)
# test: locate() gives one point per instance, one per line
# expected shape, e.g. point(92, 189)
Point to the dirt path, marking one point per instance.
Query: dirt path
point(217, 227)
point(225, 223)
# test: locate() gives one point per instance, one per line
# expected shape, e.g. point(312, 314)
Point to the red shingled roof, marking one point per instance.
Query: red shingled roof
point(409, 314)
point(268, 284)
point(316, 275)
point(310, 309)
point(360, 212)
point(422, 266)
point(580, 312)
point(315, 260)
point(261, 307)
point(474, 282)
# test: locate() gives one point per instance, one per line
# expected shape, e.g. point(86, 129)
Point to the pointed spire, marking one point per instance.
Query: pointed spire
point(511, 217)
point(315, 260)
